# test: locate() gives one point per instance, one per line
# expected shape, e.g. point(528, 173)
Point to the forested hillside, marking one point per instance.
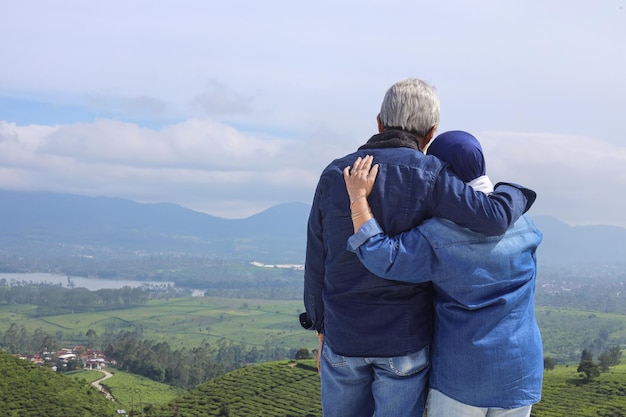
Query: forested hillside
point(29, 390)
point(274, 389)
point(290, 389)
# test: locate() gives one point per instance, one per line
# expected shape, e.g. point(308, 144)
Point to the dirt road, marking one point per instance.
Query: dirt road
point(97, 384)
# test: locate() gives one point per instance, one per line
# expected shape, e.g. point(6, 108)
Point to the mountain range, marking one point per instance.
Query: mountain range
point(51, 222)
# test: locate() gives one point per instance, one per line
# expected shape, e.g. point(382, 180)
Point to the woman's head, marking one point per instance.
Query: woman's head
point(462, 151)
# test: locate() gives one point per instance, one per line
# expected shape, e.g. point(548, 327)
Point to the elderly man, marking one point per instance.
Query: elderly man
point(374, 359)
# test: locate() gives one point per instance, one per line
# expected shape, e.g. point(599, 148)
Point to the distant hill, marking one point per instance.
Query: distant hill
point(42, 221)
point(564, 244)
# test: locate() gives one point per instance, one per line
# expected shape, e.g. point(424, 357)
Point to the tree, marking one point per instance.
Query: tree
point(303, 353)
point(610, 357)
point(49, 343)
point(10, 338)
point(92, 337)
point(548, 363)
point(587, 366)
point(604, 361)
point(616, 355)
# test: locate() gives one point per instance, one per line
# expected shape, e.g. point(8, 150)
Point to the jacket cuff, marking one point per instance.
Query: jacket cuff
point(370, 228)
point(530, 195)
point(305, 321)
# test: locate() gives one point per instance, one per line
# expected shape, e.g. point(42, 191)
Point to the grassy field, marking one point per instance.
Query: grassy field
point(186, 322)
point(273, 389)
point(87, 376)
point(131, 391)
point(565, 393)
point(563, 331)
point(284, 389)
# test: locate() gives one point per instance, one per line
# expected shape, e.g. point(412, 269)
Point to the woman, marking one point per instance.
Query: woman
point(487, 352)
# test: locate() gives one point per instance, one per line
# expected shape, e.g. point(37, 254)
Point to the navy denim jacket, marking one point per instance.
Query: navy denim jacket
point(487, 349)
point(359, 313)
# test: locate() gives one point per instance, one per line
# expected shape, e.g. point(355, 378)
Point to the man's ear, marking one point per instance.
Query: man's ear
point(379, 123)
point(431, 133)
point(425, 141)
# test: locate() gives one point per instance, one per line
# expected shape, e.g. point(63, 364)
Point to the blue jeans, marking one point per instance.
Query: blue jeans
point(380, 387)
point(440, 405)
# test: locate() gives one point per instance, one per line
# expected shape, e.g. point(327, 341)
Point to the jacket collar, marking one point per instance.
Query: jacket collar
point(392, 138)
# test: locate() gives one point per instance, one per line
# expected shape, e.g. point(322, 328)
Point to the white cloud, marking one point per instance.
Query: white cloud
point(578, 179)
point(219, 99)
point(192, 163)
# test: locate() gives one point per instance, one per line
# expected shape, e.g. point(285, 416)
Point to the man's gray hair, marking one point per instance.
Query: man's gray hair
point(410, 105)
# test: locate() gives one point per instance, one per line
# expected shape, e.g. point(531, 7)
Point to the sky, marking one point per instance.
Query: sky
point(232, 107)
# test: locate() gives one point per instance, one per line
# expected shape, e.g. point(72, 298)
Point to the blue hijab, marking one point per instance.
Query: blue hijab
point(462, 151)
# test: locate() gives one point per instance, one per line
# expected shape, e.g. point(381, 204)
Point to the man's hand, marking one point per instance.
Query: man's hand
point(319, 351)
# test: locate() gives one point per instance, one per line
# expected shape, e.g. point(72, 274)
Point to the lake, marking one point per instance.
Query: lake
point(91, 284)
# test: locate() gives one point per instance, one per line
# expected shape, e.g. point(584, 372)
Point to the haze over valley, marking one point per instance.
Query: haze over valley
point(121, 239)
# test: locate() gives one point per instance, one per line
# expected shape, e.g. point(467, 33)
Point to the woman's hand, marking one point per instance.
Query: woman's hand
point(360, 178)
point(359, 183)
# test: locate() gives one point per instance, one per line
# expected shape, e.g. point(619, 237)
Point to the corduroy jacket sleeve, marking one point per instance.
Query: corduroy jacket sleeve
point(314, 269)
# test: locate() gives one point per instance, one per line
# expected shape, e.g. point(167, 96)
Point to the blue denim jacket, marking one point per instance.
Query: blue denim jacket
point(487, 349)
point(359, 313)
